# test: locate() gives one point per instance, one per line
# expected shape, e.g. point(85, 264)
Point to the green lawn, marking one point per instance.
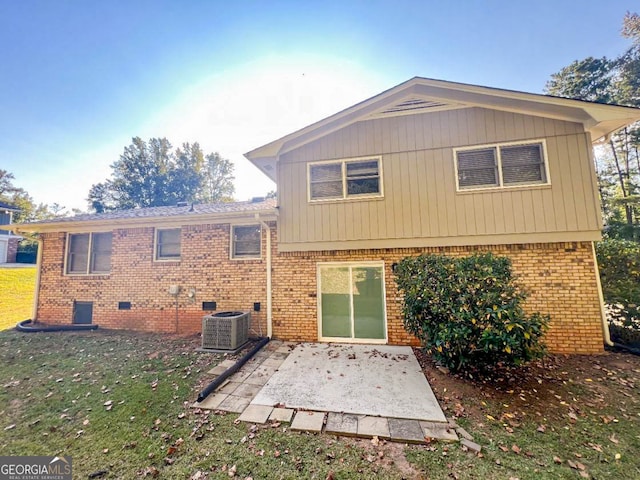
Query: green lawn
point(119, 402)
point(17, 286)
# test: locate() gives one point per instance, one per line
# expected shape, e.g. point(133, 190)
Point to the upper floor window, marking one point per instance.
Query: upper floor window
point(342, 179)
point(245, 241)
point(89, 253)
point(168, 244)
point(502, 165)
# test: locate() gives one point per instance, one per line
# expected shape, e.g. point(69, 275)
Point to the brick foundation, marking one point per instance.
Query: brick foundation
point(559, 277)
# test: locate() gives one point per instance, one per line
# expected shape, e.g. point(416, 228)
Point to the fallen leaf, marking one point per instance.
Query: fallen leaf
point(541, 428)
point(613, 439)
point(515, 449)
point(557, 460)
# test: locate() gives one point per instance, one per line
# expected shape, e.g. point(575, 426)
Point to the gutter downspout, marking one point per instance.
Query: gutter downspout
point(34, 310)
point(603, 311)
point(269, 304)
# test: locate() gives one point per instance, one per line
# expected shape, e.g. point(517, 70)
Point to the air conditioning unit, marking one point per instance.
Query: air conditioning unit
point(225, 330)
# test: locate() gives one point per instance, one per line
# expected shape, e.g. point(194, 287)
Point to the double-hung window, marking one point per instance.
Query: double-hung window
point(245, 241)
point(342, 179)
point(168, 244)
point(89, 253)
point(502, 165)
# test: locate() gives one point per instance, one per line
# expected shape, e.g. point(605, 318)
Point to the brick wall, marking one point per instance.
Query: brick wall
point(559, 277)
point(135, 277)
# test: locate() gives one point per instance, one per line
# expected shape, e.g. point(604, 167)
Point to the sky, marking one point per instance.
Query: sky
point(79, 79)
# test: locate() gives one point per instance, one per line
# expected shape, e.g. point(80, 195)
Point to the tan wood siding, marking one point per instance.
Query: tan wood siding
point(420, 199)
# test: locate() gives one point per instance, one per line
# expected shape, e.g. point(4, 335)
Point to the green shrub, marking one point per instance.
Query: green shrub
point(468, 311)
point(625, 335)
point(619, 262)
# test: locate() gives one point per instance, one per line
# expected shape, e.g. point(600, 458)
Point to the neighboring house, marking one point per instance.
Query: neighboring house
point(8, 241)
point(427, 166)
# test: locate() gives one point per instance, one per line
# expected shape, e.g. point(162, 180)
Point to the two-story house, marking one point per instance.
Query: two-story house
point(8, 241)
point(427, 166)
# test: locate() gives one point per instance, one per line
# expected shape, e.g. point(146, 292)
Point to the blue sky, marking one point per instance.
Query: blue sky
point(78, 79)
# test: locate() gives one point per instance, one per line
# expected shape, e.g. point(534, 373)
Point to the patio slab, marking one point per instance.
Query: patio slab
point(255, 414)
point(281, 415)
point(342, 424)
point(372, 380)
point(373, 427)
point(308, 421)
point(402, 430)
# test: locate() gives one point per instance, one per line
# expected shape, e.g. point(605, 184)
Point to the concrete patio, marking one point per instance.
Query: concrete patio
point(342, 389)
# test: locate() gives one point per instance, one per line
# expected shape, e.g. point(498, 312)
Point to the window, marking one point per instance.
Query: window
point(502, 165)
point(245, 241)
point(89, 253)
point(344, 179)
point(168, 244)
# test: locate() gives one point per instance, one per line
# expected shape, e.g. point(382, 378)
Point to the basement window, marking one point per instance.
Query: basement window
point(245, 241)
point(345, 179)
point(88, 253)
point(501, 165)
point(167, 244)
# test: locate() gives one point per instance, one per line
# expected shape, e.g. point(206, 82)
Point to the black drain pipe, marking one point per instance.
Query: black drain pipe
point(24, 326)
point(231, 370)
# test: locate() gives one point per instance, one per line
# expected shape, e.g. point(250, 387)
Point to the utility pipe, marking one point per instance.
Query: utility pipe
point(269, 304)
point(34, 309)
point(603, 310)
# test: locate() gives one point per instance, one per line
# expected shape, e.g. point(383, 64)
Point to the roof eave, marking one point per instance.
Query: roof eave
point(270, 214)
point(599, 119)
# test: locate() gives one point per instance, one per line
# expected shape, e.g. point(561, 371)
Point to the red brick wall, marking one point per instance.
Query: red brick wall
point(559, 277)
point(135, 277)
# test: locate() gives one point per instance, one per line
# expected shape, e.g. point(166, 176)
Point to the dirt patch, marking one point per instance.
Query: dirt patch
point(551, 387)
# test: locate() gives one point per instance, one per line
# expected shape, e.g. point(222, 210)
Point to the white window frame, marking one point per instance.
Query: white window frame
point(156, 235)
point(345, 195)
point(352, 339)
point(231, 241)
point(497, 147)
point(88, 271)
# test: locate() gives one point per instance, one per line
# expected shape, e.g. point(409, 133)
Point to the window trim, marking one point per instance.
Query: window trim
point(231, 241)
point(88, 271)
point(345, 195)
point(498, 146)
point(156, 258)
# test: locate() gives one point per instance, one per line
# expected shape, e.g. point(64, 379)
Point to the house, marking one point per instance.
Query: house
point(427, 166)
point(8, 241)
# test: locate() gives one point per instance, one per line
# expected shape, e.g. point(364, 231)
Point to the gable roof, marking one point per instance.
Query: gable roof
point(160, 216)
point(420, 95)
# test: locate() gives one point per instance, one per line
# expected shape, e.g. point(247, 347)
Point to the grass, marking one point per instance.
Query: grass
point(119, 402)
point(17, 287)
point(53, 391)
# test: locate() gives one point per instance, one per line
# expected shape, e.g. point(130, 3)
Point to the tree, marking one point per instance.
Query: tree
point(150, 174)
point(28, 209)
point(618, 165)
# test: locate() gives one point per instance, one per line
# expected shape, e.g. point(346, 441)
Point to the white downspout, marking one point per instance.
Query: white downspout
point(269, 308)
point(34, 311)
point(603, 310)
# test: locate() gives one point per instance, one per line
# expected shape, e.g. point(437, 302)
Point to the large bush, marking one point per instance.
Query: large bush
point(619, 262)
point(468, 311)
